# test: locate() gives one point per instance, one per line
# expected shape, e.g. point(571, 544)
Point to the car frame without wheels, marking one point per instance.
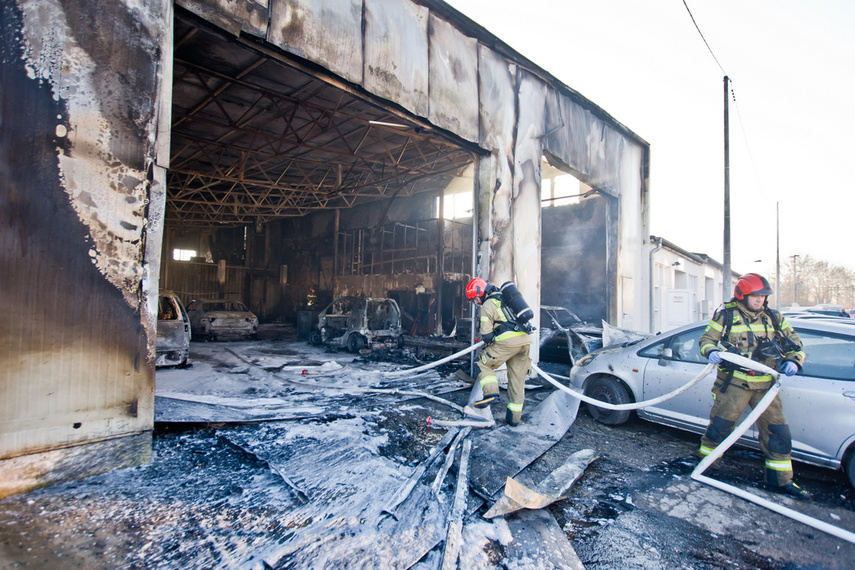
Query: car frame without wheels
point(819, 401)
point(221, 319)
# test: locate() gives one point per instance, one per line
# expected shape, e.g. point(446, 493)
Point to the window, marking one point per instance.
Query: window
point(183, 254)
point(457, 205)
point(684, 347)
point(828, 356)
point(560, 190)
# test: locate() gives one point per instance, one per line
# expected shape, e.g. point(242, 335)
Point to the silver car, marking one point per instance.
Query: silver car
point(221, 319)
point(819, 401)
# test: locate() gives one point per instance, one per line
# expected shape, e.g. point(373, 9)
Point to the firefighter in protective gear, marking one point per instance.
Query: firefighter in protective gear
point(747, 326)
point(506, 342)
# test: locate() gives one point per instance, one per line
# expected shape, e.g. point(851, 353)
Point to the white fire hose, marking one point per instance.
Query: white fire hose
point(697, 474)
point(633, 406)
point(729, 441)
point(737, 433)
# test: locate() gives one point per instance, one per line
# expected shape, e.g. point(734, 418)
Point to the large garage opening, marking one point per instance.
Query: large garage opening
point(289, 187)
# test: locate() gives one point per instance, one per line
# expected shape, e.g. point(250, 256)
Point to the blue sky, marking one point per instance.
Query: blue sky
point(792, 68)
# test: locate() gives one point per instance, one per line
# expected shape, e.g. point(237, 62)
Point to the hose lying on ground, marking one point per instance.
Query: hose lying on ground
point(737, 433)
point(430, 365)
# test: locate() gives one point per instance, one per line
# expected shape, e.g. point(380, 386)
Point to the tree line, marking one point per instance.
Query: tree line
point(807, 281)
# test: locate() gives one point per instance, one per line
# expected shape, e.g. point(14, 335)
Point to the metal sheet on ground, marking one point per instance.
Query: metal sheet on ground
point(505, 451)
point(346, 483)
point(539, 543)
point(188, 411)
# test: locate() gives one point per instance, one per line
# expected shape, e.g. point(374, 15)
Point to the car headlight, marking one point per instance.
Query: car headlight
point(586, 360)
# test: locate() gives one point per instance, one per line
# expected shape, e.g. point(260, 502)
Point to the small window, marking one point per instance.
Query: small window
point(183, 254)
point(684, 347)
point(828, 356)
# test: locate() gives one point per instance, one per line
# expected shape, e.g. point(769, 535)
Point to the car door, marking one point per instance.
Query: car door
point(665, 372)
point(819, 401)
point(671, 364)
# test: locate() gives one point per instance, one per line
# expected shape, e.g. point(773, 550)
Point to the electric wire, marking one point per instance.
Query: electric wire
point(703, 38)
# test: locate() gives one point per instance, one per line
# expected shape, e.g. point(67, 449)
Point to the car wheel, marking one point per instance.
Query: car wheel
point(850, 467)
point(355, 343)
point(400, 342)
point(315, 338)
point(610, 390)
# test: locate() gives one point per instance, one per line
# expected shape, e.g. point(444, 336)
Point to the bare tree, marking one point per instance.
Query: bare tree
point(807, 281)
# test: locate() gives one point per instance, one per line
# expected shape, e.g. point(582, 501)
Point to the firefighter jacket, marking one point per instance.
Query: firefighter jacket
point(747, 331)
point(497, 324)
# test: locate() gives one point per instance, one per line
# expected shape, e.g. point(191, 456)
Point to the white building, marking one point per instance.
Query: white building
point(686, 286)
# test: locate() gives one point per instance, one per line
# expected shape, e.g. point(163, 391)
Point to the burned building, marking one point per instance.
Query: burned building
point(277, 145)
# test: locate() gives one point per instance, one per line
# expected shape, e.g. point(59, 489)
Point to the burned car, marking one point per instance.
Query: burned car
point(564, 337)
point(355, 323)
point(221, 319)
point(173, 332)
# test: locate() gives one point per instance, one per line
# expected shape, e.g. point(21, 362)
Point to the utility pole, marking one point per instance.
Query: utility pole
point(795, 281)
point(727, 273)
point(778, 255)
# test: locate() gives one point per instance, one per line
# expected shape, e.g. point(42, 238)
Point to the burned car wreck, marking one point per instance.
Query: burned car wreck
point(173, 332)
point(564, 337)
point(355, 323)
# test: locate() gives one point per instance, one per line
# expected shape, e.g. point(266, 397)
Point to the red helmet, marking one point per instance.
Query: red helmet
point(476, 288)
point(752, 284)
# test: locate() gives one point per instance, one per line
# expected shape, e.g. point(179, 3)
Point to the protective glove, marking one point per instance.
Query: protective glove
point(714, 357)
point(789, 368)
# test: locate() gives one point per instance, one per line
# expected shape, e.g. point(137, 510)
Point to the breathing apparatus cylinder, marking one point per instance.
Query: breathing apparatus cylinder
point(515, 302)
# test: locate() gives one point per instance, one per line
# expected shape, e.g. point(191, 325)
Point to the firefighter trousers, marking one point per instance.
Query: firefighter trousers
point(519, 364)
point(775, 439)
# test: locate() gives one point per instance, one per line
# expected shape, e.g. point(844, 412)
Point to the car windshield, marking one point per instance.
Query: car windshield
point(564, 318)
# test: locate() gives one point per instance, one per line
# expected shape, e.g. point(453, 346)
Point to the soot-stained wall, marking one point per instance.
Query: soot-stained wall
point(78, 114)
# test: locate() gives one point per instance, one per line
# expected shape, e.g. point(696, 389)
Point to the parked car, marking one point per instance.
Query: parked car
point(221, 319)
point(819, 401)
point(173, 332)
point(564, 337)
point(355, 323)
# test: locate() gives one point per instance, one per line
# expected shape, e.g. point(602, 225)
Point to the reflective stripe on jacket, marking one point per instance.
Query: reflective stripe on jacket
point(747, 330)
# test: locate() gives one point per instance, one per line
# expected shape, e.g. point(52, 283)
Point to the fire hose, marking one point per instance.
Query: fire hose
point(697, 474)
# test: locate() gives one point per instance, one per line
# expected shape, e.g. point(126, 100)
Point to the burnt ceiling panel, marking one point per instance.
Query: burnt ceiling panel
point(254, 138)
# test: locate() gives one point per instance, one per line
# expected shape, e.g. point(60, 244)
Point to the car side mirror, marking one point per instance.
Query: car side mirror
point(664, 356)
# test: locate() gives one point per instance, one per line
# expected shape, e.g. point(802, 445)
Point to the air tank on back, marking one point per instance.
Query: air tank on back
point(515, 302)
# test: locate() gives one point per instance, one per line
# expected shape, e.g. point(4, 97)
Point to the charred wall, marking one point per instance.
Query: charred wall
point(80, 85)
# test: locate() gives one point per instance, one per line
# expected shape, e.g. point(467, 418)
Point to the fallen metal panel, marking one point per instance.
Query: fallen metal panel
point(503, 452)
point(342, 519)
point(453, 80)
point(328, 32)
point(540, 543)
point(396, 53)
point(234, 16)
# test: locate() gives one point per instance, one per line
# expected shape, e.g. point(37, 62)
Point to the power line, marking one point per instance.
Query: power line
point(703, 38)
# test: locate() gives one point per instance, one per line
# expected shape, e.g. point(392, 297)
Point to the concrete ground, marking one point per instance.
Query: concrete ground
point(299, 480)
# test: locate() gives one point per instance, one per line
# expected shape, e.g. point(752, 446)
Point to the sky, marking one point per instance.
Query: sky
point(791, 66)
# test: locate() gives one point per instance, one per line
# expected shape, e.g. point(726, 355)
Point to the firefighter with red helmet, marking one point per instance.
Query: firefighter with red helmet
point(506, 342)
point(748, 326)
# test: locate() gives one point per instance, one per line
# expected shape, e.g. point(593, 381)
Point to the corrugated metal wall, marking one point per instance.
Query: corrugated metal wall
point(81, 84)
